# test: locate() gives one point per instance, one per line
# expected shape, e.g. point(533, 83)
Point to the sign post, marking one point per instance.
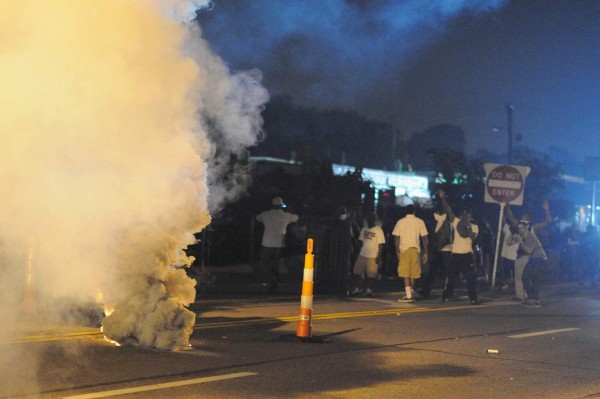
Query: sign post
point(504, 184)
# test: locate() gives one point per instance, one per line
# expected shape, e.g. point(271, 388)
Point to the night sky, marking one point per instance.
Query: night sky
point(415, 64)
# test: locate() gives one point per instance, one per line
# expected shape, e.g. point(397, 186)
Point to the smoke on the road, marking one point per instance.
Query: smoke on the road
point(104, 163)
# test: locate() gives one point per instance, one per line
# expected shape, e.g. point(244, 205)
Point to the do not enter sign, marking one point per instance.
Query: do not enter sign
point(505, 183)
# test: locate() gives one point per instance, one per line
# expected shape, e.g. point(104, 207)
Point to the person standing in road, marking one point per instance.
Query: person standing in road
point(590, 246)
point(339, 247)
point(508, 256)
point(444, 237)
point(410, 238)
point(275, 221)
point(372, 238)
point(463, 257)
point(521, 261)
point(570, 258)
point(534, 257)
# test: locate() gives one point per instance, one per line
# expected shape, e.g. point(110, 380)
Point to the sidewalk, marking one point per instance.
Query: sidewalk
point(243, 280)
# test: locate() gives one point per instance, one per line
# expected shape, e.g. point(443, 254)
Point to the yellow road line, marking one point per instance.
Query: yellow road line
point(245, 322)
point(331, 316)
point(52, 337)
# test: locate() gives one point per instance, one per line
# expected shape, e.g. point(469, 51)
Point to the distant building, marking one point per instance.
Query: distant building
point(261, 165)
point(406, 187)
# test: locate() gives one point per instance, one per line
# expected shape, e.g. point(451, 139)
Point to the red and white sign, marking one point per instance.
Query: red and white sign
point(505, 183)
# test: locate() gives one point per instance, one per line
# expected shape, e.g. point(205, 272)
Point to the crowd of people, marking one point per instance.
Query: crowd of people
point(421, 248)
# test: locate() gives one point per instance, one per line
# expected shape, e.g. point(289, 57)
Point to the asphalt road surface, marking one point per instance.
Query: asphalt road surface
point(371, 348)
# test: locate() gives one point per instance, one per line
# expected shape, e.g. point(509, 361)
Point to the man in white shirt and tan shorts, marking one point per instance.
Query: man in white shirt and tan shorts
point(410, 236)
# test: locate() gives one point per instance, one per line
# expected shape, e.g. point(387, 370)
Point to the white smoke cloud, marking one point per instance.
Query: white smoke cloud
point(180, 10)
point(106, 107)
point(229, 107)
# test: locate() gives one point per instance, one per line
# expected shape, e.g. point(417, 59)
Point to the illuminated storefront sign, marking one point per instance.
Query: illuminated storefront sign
point(408, 184)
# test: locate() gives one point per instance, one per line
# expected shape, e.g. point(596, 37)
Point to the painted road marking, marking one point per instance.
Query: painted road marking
point(53, 337)
point(155, 387)
point(198, 352)
point(535, 334)
point(343, 315)
point(96, 334)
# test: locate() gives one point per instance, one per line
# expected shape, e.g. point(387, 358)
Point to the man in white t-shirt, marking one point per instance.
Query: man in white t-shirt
point(410, 236)
point(372, 239)
point(275, 221)
point(462, 258)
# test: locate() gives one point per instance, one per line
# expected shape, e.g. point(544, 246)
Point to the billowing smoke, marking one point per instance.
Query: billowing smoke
point(108, 108)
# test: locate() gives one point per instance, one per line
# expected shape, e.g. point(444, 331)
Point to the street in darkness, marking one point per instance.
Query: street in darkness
point(372, 348)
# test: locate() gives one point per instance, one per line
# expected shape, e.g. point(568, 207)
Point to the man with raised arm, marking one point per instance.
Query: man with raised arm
point(522, 258)
point(463, 257)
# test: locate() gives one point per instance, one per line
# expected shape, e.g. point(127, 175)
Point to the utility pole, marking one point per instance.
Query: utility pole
point(394, 138)
point(593, 214)
point(509, 113)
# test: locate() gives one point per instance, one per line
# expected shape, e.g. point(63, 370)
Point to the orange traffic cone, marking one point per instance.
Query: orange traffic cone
point(304, 329)
point(28, 304)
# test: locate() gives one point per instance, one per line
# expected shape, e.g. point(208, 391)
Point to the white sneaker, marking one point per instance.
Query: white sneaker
point(406, 300)
point(356, 291)
point(369, 292)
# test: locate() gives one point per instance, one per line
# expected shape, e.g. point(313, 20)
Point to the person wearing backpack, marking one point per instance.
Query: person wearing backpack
point(444, 236)
point(463, 257)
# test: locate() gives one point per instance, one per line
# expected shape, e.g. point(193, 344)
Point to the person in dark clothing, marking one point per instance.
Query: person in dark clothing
point(569, 256)
point(590, 244)
point(339, 245)
point(485, 241)
point(441, 247)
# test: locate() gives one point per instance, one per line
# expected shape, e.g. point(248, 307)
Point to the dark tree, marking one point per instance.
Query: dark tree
point(439, 137)
point(543, 183)
point(462, 179)
point(308, 134)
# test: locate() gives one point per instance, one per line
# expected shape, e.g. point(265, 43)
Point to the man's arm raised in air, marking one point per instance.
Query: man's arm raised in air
point(442, 195)
point(547, 218)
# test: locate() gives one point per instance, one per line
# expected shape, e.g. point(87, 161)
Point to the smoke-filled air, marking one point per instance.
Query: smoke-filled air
point(112, 113)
